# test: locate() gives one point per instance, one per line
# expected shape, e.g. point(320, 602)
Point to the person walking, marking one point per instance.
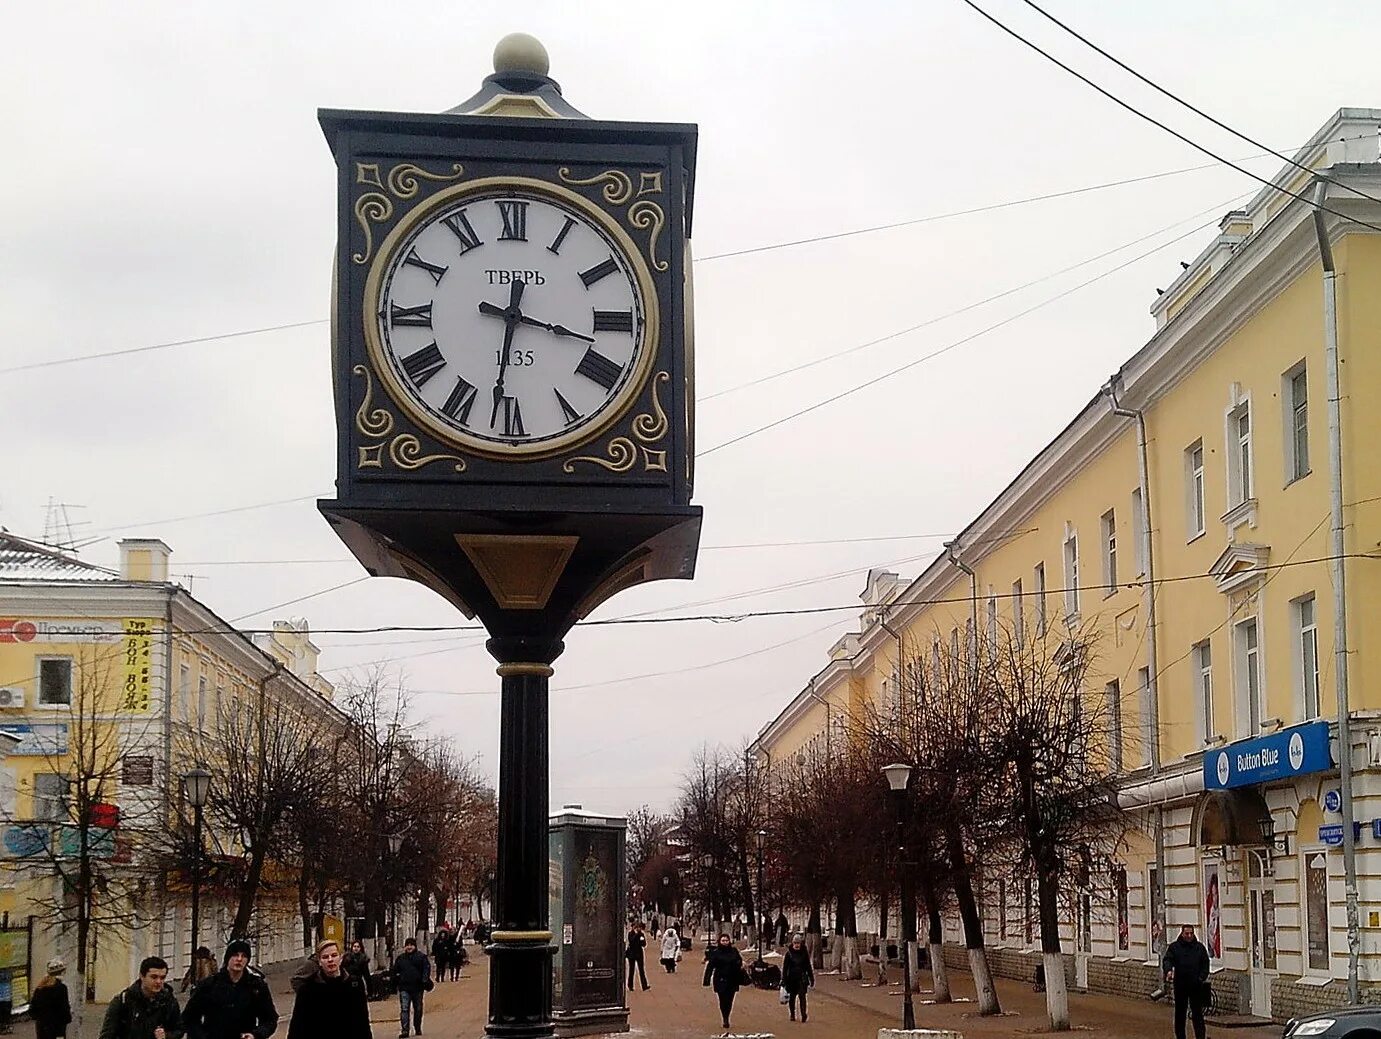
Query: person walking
point(356, 964)
point(49, 1006)
point(637, 943)
point(797, 974)
point(233, 1003)
point(332, 1003)
point(203, 965)
point(724, 969)
point(412, 972)
point(460, 959)
point(443, 949)
point(145, 1010)
point(1185, 965)
point(671, 949)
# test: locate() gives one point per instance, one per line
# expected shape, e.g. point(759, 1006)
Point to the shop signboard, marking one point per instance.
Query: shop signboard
point(1296, 751)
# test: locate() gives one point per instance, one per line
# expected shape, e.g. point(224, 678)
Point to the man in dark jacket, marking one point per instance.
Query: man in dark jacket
point(331, 1001)
point(145, 1010)
point(443, 950)
point(233, 1003)
point(412, 972)
point(1186, 968)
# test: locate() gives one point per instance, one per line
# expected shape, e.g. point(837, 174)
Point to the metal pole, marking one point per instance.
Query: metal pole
point(196, 880)
point(760, 907)
point(1337, 552)
point(908, 915)
point(520, 980)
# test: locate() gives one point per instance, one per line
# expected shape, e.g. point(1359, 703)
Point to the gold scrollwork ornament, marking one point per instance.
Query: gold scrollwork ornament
point(406, 452)
point(369, 420)
point(647, 214)
point(403, 179)
point(622, 455)
point(618, 186)
point(370, 207)
point(648, 428)
point(651, 428)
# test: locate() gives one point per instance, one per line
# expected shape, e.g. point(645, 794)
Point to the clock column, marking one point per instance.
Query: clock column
point(520, 978)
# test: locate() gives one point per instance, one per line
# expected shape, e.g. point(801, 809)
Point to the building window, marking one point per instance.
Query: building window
point(1002, 910)
point(1296, 397)
point(992, 619)
point(1143, 696)
point(1139, 532)
point(1196, 514)
point(1316, 911)
point(1308, 660)
point(184, 689)
point(50, 797)
point(1203, 682)
point(1113, 692)
point(1109, 553)
point(1240, 454)
point(201, 702)
point(1249, 672)
point(1018, 614)
point(1040, 599)
point(936, 671)
point(1155, 936)
point(1071, 572)
point(1027, 915)
point(55, 681)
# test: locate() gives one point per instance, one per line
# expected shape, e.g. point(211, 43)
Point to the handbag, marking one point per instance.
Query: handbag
point(783, 996)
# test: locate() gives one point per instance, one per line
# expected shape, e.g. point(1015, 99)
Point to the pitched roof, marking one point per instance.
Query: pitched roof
point(25, 560)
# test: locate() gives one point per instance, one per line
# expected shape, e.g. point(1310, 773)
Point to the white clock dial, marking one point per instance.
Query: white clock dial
point(511, 319)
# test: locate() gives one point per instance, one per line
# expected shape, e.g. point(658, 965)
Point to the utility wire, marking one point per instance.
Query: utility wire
point(932, 218)
point(946, 349)
point(1168, 129)
point(1197, 111)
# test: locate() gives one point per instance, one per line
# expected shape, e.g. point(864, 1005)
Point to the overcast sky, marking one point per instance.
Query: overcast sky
point(165, 179)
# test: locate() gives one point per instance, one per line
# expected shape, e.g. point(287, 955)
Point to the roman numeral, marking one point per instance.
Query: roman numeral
point(460, 401)
point(600, 369)
point(514, 220)
point(413, 260)
point(459, 224)
point(614, 321)
point(599, 270)
point(555, 246)
point(423, 364)
point(571, 414)
point(513, 418)
point(416, 317)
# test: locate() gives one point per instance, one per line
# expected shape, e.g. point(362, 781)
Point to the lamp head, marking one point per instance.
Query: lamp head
point(898, 776)
point(197, 785)
point(395, 843)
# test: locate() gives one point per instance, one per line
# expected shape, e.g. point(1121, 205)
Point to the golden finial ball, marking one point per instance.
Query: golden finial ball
point(519, 52)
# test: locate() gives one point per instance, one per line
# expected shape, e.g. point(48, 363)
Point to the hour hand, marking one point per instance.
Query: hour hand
point(560, 330)
point(492, 310)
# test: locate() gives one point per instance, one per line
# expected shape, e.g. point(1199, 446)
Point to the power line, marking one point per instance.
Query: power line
point(300, 598)
point(1197, 111)
point(932, 218)
point(945, 349)
point(733, 618)
point(1168, 129)
point(966, 308)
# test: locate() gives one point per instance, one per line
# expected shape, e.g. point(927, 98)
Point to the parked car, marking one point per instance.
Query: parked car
point(1356, 1022)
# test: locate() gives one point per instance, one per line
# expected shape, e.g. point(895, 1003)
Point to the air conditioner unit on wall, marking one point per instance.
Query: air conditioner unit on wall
point(11, 696)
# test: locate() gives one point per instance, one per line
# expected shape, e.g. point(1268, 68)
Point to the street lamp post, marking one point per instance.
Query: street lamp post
point(898, 778)
point(395, 845)
point(706, 863)
point(196, 786)
point(762, 840)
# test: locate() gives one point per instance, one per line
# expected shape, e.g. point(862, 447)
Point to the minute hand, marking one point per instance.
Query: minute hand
point(560, 330)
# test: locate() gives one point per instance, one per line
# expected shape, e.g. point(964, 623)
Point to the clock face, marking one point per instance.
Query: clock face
point(511, 317)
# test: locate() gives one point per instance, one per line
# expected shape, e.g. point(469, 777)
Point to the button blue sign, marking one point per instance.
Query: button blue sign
point(1295, 751)
point(1333, 801)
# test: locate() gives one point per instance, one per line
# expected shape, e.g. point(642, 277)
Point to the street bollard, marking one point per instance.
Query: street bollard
point(918, 1033)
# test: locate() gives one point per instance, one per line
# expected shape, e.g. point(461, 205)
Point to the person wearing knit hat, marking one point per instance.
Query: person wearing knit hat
point(50, 1007)
point(234, 1003)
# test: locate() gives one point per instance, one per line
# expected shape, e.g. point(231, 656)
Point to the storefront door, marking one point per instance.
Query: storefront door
point(1261, 916)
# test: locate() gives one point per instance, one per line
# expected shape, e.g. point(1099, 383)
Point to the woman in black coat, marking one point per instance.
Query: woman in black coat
point(797, 974)
point(724, 967)
point(331, 1003)
point(49, 1006)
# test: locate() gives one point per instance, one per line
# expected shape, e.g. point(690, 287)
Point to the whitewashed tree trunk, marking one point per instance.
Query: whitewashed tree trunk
point(77, 995)
point(835, 958)
point(983, 982)
point(853, 963)
point(1056, 992)
point(913, 950)
point(939, 973)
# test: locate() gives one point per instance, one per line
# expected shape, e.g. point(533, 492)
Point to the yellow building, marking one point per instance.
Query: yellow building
point(1218, 429)
point(122, 666)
